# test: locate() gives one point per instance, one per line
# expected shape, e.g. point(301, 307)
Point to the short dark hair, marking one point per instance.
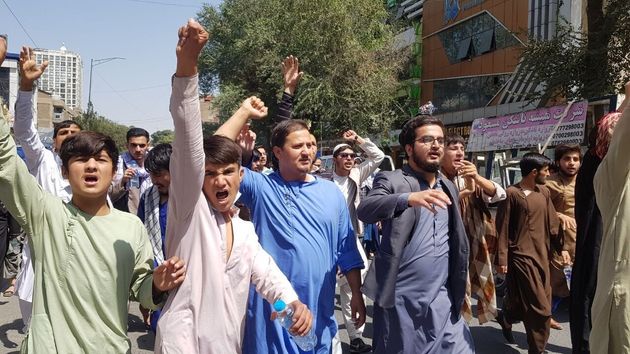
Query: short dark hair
point(452, 139)
point(159, 158)
point(255, 155)
point(88, 144)
point(281, 131)
point(63, 125)
point(533, 161)
point(408, 132)
point(564, 149)
point(220, 150)
point(134, 132)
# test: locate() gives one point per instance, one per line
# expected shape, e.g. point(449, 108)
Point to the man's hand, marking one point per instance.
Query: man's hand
point(246, 139)
point(567, 222)
point(502, 269)
point(3, 49)
point(302, 318)
point(169, 274)
point(254, 107)
point(469, 187)
point(566, 258)
point(291, 74)
point(357, 307)
point(429, 199)
point(29, 70)
point(192, 38)
point(468, 170)
point(350, 136)
point(129, 174)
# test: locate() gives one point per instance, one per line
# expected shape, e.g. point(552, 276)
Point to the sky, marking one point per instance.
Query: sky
point(134, 91)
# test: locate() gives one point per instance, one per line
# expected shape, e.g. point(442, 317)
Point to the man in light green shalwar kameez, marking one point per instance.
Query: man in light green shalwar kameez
point(89, 259)
point(611, 305)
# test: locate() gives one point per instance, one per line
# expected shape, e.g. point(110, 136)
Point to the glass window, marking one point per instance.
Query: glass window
point(483, 41)
point(483, 33)
point(468, 93)
point(464, 49)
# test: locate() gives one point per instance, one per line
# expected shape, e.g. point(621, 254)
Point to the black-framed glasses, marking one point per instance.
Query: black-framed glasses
point(429, 140)
point(345, 155)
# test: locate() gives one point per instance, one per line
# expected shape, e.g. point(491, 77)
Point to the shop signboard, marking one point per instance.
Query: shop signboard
point(460, 129)
point(529, 129)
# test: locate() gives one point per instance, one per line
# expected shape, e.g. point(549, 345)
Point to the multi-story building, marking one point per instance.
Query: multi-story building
point(63, 78)
point(9, 83)
point(406, 15)
point(471, 72)
point(472, 51)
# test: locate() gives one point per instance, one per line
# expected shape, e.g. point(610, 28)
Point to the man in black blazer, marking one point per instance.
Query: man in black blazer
point(418, 278)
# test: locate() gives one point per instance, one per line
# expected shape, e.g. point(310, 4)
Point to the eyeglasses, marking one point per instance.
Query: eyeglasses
point(429, 140)
point(345, 155)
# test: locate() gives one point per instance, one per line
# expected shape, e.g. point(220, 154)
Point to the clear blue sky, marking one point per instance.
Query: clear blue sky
point(134, 91)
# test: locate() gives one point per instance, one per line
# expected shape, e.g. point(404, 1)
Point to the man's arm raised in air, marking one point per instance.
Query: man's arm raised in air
point(291, 75)
point(24, 126)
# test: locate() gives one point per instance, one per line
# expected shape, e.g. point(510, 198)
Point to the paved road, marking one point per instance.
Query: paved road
point(488, 338)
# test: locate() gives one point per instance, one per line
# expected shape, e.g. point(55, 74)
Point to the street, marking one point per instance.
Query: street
point(488, 338)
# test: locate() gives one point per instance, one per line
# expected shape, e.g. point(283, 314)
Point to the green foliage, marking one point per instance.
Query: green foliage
point(100, 124)
point(575, 65)
point(344, 49)
point(162, 137)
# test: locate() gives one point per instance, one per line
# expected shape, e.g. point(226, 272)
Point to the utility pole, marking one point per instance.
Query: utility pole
point(93, 63)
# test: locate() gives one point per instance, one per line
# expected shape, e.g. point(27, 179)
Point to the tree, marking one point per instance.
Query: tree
point(94, 122)
point(162, 137)
point(577, 65)
point(344, 49)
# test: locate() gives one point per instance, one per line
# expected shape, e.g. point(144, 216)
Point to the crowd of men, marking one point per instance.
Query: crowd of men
point(92, 230)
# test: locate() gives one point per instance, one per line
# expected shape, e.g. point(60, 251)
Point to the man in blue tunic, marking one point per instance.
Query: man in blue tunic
point(303, 223)
point(418, 278)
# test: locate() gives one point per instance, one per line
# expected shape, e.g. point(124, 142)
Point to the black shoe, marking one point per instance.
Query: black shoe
point(358, 346)
point(506, 328)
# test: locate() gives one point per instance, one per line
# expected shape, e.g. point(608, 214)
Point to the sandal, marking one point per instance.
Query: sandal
point(9, 292)
point(555, 325)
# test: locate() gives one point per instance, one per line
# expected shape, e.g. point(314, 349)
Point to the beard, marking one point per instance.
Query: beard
point(431, 167)
point(540, 179)
point(569, 174)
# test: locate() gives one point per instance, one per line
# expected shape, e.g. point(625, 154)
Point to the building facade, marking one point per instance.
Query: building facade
point(471, 52)
point(63, 78)
point(9, 83)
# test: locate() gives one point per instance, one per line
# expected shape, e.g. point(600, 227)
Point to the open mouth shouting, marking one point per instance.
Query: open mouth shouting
point(222, 195)
point(90, 180)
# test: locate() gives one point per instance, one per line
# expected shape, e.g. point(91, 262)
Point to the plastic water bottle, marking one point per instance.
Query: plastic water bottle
point(285, 316)
point(568, 270)
point(134, 182)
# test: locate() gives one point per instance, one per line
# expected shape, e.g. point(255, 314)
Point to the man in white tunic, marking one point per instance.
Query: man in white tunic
point(207, 313)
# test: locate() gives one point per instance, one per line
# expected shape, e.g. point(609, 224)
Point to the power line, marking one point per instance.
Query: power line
point(162, 3)
point(20, 23)
point(139, 88)
point(141, 112)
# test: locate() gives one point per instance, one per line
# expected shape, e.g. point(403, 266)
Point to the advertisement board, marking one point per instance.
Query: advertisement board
point(529, 129)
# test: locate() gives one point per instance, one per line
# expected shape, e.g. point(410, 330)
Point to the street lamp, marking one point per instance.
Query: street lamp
point(93, 63)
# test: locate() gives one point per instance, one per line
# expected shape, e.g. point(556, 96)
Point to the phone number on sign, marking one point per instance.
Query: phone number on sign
point(575, 141)
point(571, 127)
